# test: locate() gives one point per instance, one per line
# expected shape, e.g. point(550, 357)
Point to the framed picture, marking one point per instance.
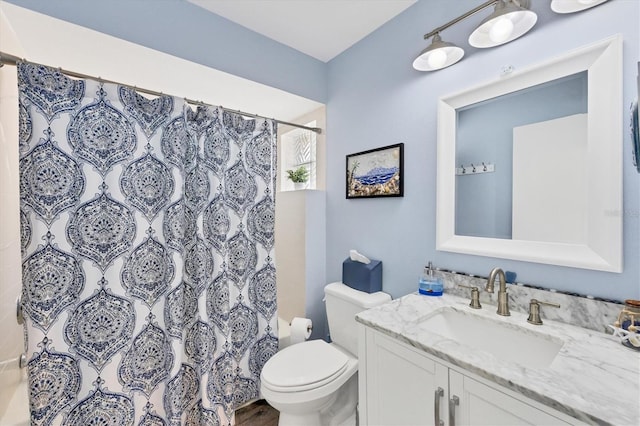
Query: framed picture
point(376, 173)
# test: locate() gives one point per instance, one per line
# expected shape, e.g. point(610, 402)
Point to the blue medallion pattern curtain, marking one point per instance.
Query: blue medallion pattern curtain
point(147, 231)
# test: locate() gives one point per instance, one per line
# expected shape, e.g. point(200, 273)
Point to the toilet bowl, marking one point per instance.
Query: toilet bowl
point(315, 383)
point(303, 383)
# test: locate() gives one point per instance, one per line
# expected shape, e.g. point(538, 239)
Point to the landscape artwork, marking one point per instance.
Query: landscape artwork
point(376, 173)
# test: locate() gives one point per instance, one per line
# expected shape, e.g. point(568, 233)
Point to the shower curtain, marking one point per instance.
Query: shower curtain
point(147, 232)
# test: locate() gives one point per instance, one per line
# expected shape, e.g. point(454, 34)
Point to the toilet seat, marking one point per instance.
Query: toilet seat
point(304, 366)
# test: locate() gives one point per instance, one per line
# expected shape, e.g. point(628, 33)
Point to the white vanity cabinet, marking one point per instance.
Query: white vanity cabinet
point(402, 385)
point(397, 383)
point(482, 404)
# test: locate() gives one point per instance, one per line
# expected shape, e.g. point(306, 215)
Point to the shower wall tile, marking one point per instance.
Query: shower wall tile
point(11, 335)
point(10, 377)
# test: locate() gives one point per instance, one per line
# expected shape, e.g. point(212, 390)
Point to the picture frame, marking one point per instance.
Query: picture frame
point(376, 173)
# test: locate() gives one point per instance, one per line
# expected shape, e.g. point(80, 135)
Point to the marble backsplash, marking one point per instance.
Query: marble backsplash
point(583, 311)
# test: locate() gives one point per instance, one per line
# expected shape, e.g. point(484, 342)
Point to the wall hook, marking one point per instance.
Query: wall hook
point(472, 169)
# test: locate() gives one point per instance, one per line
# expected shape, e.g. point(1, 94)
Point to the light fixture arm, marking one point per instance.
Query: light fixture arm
point(522, 3)
point(460, 18)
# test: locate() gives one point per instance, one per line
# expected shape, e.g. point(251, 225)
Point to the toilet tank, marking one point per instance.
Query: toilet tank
point(342, 304)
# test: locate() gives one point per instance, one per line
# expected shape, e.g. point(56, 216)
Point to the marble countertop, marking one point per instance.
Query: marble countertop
point(593, 378)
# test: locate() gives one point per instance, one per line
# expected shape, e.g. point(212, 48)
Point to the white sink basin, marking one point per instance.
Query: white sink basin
point(502, 339)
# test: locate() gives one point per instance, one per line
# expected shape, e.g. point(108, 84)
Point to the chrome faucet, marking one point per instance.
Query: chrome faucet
point(503, 299)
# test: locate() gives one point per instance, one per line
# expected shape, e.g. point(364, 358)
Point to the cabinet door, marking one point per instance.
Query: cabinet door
point(480, 404)
point(401, 384)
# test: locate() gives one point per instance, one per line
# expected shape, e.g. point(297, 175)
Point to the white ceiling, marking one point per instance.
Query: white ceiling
point(320, 28)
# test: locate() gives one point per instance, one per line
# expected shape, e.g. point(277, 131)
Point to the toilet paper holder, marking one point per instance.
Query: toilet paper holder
point(300, 330)
point(309, 327)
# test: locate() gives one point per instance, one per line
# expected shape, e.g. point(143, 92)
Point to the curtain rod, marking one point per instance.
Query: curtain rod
point(8, 59)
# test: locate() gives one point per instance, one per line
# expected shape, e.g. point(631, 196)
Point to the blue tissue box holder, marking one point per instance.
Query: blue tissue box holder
point(363, 277)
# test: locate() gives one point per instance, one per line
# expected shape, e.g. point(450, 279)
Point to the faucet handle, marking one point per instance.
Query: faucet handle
point(534, 311)
point(475, 296)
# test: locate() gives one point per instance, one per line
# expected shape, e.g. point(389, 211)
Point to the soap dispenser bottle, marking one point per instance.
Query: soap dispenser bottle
point(429, 284)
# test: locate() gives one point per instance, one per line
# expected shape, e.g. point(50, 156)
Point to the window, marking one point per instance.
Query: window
point(298, 149)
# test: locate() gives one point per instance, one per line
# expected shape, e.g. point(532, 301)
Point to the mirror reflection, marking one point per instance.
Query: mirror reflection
point(521, 163)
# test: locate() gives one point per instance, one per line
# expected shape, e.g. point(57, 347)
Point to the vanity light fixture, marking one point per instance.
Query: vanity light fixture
point(438, 55)
point(510, 20)
point(507, 22)
point(571, 6)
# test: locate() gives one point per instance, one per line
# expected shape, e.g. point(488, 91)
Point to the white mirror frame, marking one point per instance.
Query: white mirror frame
point(603, 249)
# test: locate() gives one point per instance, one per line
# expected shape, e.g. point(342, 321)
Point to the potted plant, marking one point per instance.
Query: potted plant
point(298, 176)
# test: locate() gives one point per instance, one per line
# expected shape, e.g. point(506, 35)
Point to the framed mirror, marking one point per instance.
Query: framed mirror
point(530, 165)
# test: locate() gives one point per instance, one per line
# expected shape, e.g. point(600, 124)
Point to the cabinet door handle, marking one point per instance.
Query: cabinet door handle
point(452, 410)
point(436, 407)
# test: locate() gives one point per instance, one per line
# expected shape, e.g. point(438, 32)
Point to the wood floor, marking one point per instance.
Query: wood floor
point(257, 414)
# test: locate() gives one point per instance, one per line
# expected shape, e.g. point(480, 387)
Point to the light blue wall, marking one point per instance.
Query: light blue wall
point(182, 29)
point(375, 98)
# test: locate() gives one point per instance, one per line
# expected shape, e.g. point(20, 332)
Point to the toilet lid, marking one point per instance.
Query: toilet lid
point(303, 364)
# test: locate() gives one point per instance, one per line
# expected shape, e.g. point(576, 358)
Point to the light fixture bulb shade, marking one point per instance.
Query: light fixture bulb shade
point(437, 58)
point(438, 55)
point(571, 6)
point(501, 30)
point(505, 24)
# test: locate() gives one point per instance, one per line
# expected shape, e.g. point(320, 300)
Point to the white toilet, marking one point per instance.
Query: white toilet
point(315, 383)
